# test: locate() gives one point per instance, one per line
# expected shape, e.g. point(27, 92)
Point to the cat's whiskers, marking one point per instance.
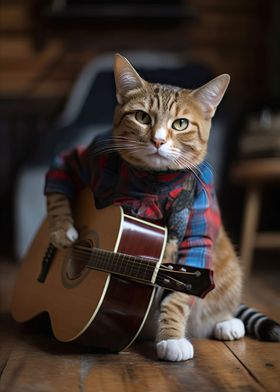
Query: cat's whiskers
point(124, 144)
point(188, 164)
point(195, 171)
point(209, 167)
point(114, 139)
point(119, 148)
point(132, 146)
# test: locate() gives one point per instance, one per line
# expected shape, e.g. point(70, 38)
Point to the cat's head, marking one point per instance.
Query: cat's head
point(160, 127)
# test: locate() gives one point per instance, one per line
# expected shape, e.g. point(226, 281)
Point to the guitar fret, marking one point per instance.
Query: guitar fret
point(131, 266)
point(137, 268)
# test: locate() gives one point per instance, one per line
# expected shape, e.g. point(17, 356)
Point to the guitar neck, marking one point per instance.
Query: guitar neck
point(189, 280)
point(133, 267)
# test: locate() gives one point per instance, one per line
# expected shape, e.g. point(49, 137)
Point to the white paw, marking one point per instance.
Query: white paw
point(72, 234)
point(175, 350)
point(229, 330)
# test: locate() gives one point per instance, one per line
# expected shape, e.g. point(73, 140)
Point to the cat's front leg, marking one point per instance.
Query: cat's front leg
point(172, 345)
point(63, 234)
point(61, 224)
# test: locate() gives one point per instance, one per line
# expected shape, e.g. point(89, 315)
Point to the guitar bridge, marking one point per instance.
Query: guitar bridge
point(46, 263)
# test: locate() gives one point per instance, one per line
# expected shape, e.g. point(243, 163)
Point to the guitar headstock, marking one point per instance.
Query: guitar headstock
point(189, 280)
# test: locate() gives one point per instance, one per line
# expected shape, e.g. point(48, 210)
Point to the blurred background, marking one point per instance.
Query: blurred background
point(56, 90)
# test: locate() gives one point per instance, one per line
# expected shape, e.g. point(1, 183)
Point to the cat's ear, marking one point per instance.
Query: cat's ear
point(126, 78)
point(210, 95)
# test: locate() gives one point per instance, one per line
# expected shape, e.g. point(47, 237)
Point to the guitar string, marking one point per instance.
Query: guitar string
point(160, 276)
point(83, 251)
point(140, 267)
point(144, 262)
point(109, 252)
point(107, 256)
point(103, 253)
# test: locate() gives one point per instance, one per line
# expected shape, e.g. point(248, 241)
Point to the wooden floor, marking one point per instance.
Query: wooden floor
point(31, 360)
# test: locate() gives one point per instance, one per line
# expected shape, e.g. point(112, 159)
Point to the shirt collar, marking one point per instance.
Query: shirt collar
point(159, 176)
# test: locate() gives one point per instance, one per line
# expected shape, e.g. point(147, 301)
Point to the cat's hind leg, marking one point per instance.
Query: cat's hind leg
point(232, 329)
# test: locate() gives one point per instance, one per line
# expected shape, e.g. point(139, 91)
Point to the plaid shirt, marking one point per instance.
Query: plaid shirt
point(184, 202)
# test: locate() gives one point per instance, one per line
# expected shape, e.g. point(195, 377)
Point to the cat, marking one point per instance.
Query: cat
point(154, 165)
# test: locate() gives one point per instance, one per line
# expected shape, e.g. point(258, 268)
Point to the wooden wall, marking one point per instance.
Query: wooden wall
point(231, 36)
point(39, 63)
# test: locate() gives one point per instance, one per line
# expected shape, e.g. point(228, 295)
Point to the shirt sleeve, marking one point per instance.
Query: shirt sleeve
point(203, 224)
point(69, 173)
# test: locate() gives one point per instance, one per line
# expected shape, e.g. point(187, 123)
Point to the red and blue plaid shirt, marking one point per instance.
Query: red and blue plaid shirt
point(185, 202)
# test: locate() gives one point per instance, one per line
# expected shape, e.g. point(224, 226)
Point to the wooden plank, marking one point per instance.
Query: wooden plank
point(32, 360)
point(255, 170)
point(83, 55)
point(13, 87)
point(53, 50)
point(140, 370)
point(52, 89)
point(8, 337)
point(34, 367)
point(269, 240)
point(260, 294)
point(8, 328)
point(40, 363)
point(14, 17)
point(19, 76)
point(262, 359)
point(16, 47)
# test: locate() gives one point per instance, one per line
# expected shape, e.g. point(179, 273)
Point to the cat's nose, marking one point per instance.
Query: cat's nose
point(159, 137)
point(158, 142)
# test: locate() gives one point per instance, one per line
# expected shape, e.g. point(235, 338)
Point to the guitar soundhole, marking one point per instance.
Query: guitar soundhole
point(74, 270)
point(74, 266)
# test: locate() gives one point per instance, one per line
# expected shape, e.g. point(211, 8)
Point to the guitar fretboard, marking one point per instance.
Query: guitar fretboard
point(135, 267)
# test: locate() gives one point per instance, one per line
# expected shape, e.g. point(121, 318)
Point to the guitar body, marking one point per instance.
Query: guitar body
point(86, 305)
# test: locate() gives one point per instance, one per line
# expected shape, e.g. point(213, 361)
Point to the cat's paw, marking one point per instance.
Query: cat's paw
point(175, 350)
point(64, 236)
point(229, 330)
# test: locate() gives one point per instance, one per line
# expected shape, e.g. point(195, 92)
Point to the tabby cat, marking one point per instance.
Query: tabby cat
point(161, 129)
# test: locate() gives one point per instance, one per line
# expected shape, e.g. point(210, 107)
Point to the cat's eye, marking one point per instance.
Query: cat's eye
point(142, 117)
point(180, 124)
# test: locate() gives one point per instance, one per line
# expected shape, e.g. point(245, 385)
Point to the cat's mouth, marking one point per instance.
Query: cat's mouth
point(158, 155)
point(164, 153)
point(159, 161)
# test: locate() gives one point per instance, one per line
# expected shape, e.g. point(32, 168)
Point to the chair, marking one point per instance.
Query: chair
point(255, 174)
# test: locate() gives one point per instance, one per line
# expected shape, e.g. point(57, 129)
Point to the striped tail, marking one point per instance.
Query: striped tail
point(258, 325)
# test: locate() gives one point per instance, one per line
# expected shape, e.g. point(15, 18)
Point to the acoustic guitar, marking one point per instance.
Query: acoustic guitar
point(99, 291)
